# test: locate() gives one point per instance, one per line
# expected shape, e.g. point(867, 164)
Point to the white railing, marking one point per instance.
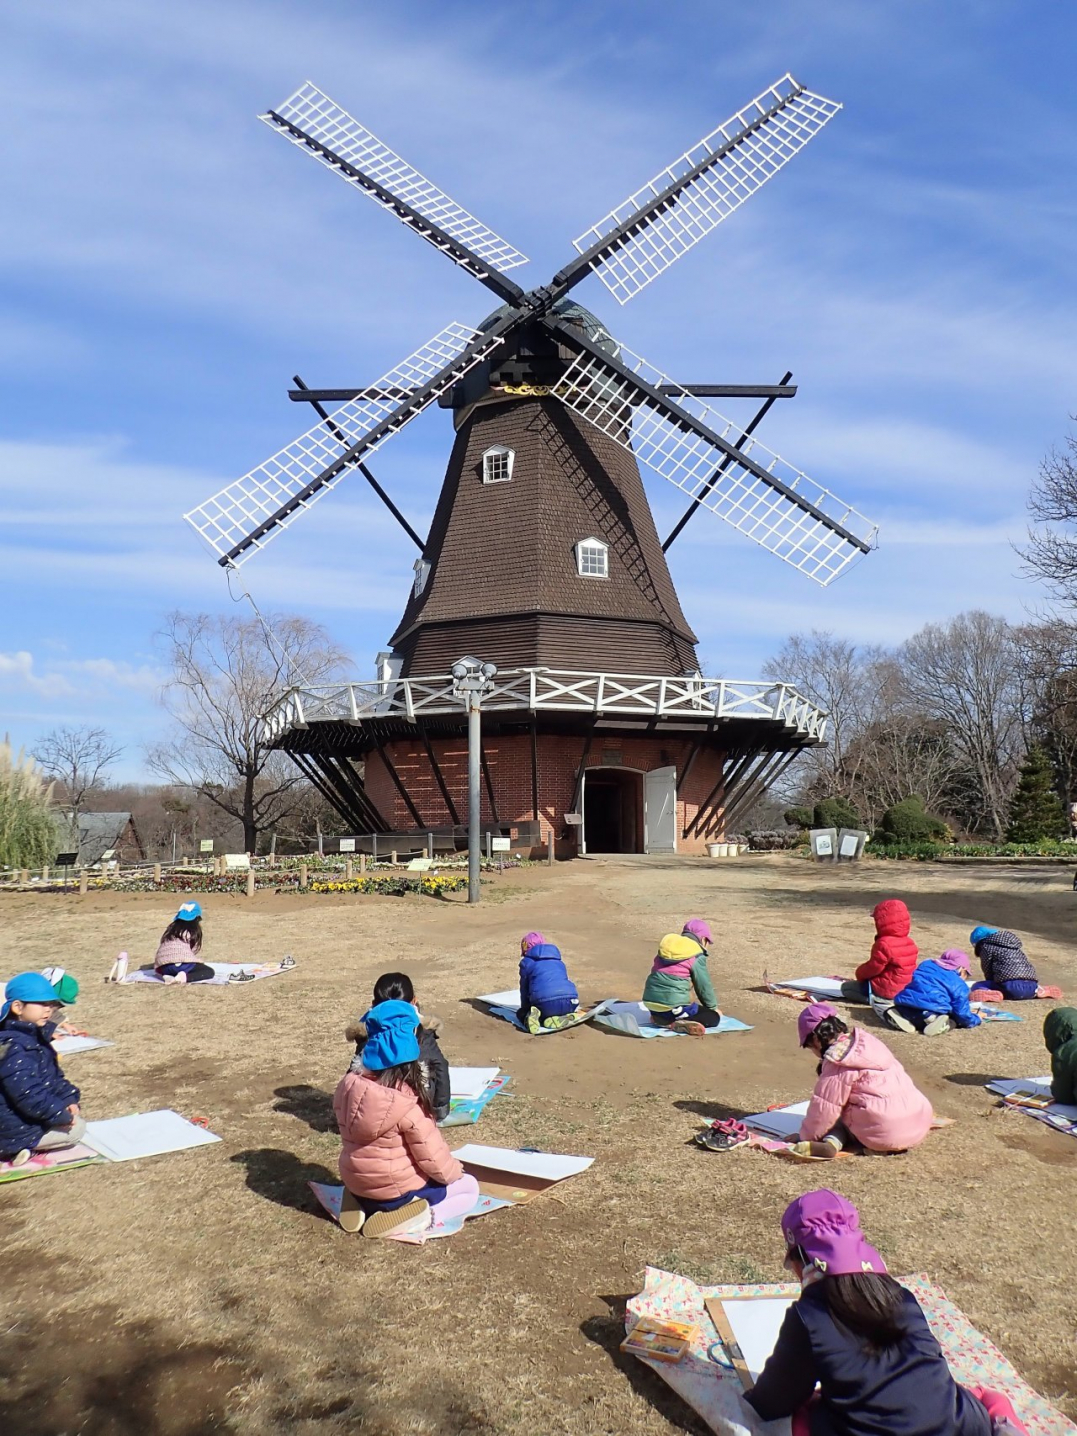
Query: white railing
point(540, 690)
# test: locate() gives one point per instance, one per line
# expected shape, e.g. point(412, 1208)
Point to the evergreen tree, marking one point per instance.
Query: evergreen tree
point(1036, 812)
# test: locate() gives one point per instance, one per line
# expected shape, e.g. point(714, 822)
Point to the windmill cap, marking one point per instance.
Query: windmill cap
point(29, 987)
point(188, 911)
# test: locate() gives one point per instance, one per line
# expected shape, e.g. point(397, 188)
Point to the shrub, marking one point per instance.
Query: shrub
point(909, 822)
point(799, 817)
point(1035, 811)
point(835, 813)
point(773, 840)
point(27, 834)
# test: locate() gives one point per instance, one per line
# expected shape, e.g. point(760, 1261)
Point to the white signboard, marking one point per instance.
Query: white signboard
point(420, 865)
point(347, 845)
point(500, 845)
point(206, 845)
point(237, 862)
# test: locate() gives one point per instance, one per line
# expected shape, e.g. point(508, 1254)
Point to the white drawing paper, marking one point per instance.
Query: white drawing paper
point(755, 1324)
point(547, 1166)
point(783, 1122)
point(145, 1134)
point(468, 1082)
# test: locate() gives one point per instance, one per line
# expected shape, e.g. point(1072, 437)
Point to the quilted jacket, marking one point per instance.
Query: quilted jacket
point(935, 988)
point(1003, 959)
point(174, 949)
point(679, 976)
point(391, 1147)
point(34, 1093)
point(865, 1087)
point(544, 978)
point(893, 953)
point(431, 1059)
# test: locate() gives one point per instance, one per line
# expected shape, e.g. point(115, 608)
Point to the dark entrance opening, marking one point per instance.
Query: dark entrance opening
point(612, 817)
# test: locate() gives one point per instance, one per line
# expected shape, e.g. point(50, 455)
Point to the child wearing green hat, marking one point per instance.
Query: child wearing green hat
point(39, 1107)
point(180, 944)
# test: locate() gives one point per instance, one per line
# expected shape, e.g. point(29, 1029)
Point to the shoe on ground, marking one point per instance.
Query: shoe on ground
point(688, 1027)
point(821, 1151)
point(414, 1217)
point(894, 1019)
point(352, 1215)
point(1053, 993)
point(20, 1159)
point(287, 963)
point(241, 976)
point(987, 994)
point(936, 1025)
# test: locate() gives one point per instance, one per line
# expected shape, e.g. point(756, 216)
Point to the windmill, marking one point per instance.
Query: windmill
point(542, 556)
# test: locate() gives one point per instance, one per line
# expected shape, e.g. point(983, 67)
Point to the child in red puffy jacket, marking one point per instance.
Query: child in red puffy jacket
point(891, 965)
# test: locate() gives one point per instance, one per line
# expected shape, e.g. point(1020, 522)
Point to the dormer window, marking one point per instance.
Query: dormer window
point(593, 558)
point(497, 465)
point(422, 573)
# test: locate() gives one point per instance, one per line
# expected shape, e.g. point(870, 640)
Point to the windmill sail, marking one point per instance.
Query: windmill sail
point(318, 125)
point(243, 517)
point(686, 441)
point(642, 237)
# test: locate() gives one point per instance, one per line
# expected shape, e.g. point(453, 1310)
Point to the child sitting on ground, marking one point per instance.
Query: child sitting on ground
point(890, 966)
point(678, 992)
point(938, 992)
point(863, 1092)
point(181, 942)
point(398, 1174)
point(398, 987)
point(39, 1107)
point(1008, 974)
point(863, 1339)
point(548, 997)
point(1060, 1039)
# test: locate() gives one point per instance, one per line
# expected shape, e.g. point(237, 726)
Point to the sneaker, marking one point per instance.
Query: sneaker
point(555, 1024)
point(688, 1027)
point(287, 963)
point(534, 1021)
point(723, 1135)
point(412, 1217)
point(893, 1018)
point(352, 1216)
point(985, 994)
point(20, 1159)
point(823, 1151)
point(1053, 993)
point(241, 976)
point(936, 1025)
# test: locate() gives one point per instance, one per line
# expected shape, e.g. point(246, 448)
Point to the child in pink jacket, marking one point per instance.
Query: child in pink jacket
point(863, 1092)
point(397, 1171)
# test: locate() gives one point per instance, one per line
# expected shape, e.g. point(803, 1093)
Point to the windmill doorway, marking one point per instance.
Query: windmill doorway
point(612, 811)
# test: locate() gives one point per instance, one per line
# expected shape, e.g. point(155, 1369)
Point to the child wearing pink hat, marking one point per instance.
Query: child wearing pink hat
point(862, 1339)
point(863, 1091)
point(548, 996)
point(938, 995)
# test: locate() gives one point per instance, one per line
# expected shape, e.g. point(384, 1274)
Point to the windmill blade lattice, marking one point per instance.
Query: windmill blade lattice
point(313, 113)
point(757, 492)
point(243, 517)
point(691, 197)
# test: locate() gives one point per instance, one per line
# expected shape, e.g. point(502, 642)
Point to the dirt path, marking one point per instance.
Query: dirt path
point(201, 1292)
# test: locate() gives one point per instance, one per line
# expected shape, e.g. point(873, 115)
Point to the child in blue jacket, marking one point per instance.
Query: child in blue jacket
point(938, 993)
point(39, 1107)
point(548, 997)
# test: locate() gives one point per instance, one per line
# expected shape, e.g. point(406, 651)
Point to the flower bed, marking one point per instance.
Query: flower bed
point(399, 885)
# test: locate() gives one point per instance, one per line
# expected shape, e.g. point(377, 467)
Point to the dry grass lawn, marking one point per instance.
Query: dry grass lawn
point(203, 1292)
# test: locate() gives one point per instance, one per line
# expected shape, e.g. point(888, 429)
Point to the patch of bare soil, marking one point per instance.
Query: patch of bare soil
point(203, 1292)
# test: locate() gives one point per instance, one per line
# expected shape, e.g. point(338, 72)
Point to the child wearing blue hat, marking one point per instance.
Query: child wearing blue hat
point(39, 1107)
point(1007, 973)
point(181, 942)
point(397, 1170)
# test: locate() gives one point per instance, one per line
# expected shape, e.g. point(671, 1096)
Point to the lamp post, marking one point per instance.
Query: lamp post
point(471, 680)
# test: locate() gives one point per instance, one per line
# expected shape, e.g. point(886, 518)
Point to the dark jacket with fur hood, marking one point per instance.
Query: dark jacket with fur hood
point(431, 1059)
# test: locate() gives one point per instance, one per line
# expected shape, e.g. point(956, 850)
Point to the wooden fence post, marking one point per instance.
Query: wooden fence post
point(362, 864)
point(392, 857)
point(157, 872)
point(302, 875)
point(84, 882)
point(250, 882)
point(348, 870)
point(44, 875)
point(24, 877)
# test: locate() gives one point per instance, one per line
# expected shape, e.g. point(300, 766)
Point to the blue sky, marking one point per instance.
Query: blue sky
point(167, 264)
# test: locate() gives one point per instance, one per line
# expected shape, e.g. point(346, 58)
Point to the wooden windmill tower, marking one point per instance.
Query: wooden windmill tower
point(542, 557)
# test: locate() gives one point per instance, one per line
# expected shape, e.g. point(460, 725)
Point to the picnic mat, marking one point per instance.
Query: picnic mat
point(505, 1005)
point(70, 1043)
point(117, 1139)
point(710, 1385)
point(634, 1020)
point(777, 1129)
point(222, 971)
point(43, 1162)
point(1035, 1090)
point(464, 1111)
point(506, 1178)
point(991, 1013)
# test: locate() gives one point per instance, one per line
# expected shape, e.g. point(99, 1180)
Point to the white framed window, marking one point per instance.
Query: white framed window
point(593, 558)
point(497, 464)
point(422, 573)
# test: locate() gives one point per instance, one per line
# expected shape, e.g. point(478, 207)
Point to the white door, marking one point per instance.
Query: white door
point(660, 811)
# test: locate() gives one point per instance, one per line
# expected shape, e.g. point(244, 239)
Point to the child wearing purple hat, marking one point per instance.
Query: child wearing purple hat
point(548, 996)
point(938, 995)
point(862, 1339)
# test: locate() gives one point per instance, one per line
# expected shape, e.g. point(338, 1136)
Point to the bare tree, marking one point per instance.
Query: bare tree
point(1049, 681)
point(965, 675)
point(837, 676)
point(78, 759)
point(1052, 503)
point(225, 674)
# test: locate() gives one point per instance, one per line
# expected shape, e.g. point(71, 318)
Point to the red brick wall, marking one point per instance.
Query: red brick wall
point(509, 760)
